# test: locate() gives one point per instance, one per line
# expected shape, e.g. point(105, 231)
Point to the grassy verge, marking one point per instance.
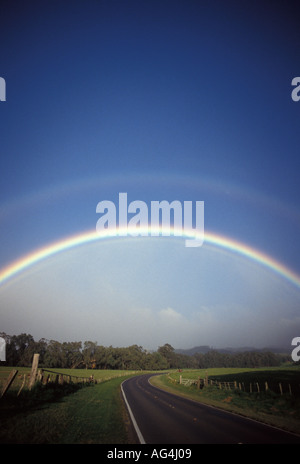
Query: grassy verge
point(92, 414)
point(98, 375)
point(282, 411)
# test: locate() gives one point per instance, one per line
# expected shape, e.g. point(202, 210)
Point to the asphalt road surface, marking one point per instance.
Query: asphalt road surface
point(160, 417)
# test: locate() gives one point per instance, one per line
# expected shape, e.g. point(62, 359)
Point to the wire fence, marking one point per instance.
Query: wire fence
point(249, 387)
point(44, 376)
point(18, 381)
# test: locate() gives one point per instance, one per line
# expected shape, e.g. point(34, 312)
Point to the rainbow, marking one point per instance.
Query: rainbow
point(22, 264)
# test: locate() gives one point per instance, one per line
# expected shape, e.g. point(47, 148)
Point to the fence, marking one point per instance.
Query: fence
point(252, 387)
point(43, 376)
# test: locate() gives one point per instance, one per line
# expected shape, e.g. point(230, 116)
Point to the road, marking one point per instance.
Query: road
point(160, 417)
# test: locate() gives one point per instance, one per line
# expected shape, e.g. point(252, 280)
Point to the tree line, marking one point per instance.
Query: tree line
point(71, 355)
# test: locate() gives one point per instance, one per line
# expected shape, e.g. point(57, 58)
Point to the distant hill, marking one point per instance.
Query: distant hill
point(202, 349)
point(197, 349)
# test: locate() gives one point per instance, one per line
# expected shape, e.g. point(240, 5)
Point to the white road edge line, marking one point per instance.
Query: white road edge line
point(138, 432)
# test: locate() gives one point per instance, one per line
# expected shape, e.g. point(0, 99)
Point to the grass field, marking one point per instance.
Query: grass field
point(95, 413)
point(99, 375)
point(92, 414)
point(288, 377)
point(272, 407)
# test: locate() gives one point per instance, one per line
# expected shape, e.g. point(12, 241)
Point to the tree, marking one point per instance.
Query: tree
point(167, 351)
point(17, 347)
point(73, 353)
point(155, 361)
point(89, 354)
point(55, 356)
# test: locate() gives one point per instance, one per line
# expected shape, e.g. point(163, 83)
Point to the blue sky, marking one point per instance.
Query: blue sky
point(164, 100)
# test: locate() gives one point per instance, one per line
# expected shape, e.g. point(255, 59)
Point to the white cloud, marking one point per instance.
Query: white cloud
point(170, 314)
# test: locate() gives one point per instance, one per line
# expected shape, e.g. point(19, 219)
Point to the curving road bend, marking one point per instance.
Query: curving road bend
point(160, 417)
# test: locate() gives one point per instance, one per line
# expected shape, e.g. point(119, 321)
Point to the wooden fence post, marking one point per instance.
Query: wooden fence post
point(23, 383)
point(9, 381)
point(33, 373)
point(266, 386)
point(40, 375)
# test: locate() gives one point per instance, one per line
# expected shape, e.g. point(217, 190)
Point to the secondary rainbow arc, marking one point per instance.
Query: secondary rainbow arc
point(25, 262)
